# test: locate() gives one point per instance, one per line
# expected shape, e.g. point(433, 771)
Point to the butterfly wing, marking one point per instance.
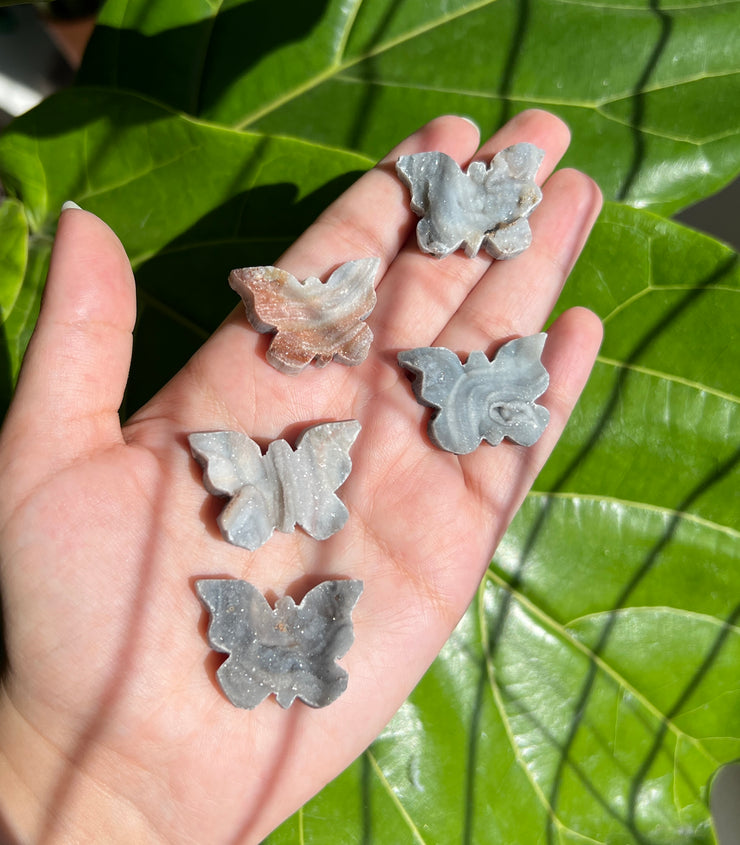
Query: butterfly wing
point(324, 619)
point(444, 197)
point(240, 619)
point(520, 161)
point(419, 171)
point(229, 459)
point(313, 320)
point(518, 364)
point(321, 465)
point(275, 301)
point(437, 371)
point(518, 377)
point(233, 466)
point(268, 294)
point(289, 651)
point(249, 518)
point(348, 298)
point(481, 206)
point(443, 383)
point(350, 290)
point(511, 196)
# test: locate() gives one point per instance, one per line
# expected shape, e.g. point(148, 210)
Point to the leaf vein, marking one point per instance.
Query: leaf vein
point(394, 798)
point(648, 371)
point(522, 763)
point(133, 177)
point(568, 637)
point(208, 35)
point(663, 511)
point(667, 136)
point(330, 70)
point(699, 4)
point(462, 92)
point(540, 100)
point(647, 609)
point(346, 32)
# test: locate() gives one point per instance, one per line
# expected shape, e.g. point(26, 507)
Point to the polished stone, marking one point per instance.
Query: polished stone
point(290, 651)
point(281, 488)
point(481, 399)
point(483, 207)
point(313, 321)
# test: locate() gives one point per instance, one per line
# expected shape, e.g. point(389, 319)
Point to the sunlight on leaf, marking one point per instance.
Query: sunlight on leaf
point(587, 696)
point(649, 88)
point(144, 173)
point(591, 694)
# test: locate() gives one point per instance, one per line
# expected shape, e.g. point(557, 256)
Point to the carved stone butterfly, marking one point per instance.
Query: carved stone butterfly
point(290, 650)
point(482, 399)
point(282, 487)
point(313, 320)
point(485, 206)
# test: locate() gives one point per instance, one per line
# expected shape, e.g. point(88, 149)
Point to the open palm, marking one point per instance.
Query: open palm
point(112, 725)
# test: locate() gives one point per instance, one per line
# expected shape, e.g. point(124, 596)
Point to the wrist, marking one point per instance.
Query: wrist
point(47, 796)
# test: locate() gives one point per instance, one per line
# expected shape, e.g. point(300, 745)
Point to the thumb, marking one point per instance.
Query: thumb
point(75, 369)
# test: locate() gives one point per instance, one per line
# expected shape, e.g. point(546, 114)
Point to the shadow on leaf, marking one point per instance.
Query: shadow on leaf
point(183, 292)
point(174, 65)
point(637, 117)
point(516, 581)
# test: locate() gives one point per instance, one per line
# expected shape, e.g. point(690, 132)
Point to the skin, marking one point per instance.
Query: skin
point(112, 726)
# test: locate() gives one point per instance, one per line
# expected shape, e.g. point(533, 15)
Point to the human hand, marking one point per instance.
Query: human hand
point(112, 727)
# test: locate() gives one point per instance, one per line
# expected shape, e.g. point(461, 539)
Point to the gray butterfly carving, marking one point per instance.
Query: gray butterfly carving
point(281, 488)
point(482, 399)
point(290, 650)
point(485, 206)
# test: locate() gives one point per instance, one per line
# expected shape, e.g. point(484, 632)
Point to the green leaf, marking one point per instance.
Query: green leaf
point(13, 256)
point(13, 250)
point(188, 200)
point(18, 298)
point(649, 89)
point(588, 694)
point(591, 692)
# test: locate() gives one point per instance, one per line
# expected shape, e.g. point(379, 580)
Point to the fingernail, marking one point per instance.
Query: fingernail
point(470, 121)
point(70, 204)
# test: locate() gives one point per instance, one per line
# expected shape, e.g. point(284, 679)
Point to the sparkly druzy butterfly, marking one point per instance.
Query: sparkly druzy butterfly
point(482, 399)
point(485, 206)
point(281, 488)
point(313, 320)
point(290, 650)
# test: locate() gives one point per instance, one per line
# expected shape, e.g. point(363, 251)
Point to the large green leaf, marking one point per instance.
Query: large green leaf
point(189, 201)
point(591, 692)
point(13, 315)
point(649, 88)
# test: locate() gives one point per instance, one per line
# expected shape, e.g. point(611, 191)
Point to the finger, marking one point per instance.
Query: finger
point(535, 126)
point(420, 292)
point(75, 369)
point(516, 297)
point(503, 474)
point(372, 218)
